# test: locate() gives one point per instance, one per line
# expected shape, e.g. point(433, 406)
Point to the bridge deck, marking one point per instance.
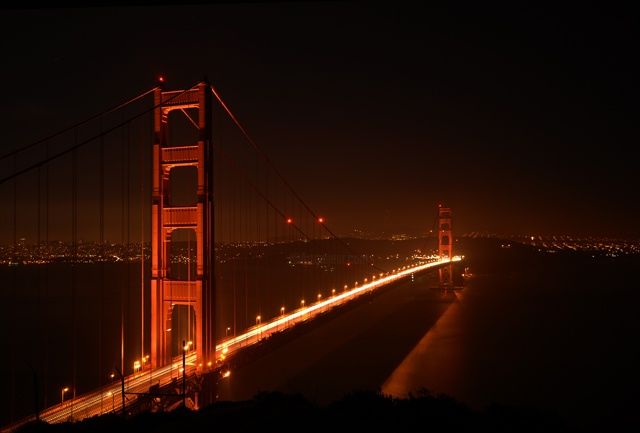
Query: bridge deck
point(109, 398)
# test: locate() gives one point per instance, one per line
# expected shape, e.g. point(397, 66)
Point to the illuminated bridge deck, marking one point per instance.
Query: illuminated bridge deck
point(109, 398)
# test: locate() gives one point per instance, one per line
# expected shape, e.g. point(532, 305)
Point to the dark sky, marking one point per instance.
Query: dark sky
point(522, 119)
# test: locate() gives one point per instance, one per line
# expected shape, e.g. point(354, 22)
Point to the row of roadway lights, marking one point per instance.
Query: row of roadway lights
point(320, 220)
point(282, 309)
point(319, 297)
point(112, 376)
point(225, 349)
point(139, 364)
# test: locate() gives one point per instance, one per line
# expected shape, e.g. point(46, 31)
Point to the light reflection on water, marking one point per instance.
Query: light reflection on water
point(435, 361)
point(536, 331)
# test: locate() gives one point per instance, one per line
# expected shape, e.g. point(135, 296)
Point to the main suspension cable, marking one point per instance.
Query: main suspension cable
point(75, 125)
point(90, 139)
point(282, 178)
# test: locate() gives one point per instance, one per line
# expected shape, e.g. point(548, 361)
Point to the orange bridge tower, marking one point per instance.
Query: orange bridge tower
point(196, 294)
point(445, 246)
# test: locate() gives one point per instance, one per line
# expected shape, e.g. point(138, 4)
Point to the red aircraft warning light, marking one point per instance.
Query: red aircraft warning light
point(321, 220)
point(289, 220)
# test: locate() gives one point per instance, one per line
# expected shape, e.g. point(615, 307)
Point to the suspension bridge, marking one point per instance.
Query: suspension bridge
point(144, 246)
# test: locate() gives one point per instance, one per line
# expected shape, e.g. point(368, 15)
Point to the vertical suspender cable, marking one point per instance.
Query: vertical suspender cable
point(234, 262)
point(14, 280)
point(149, 140)
point(102, 261)
point(189, 336)
point(259, 292)
point(74, 243)
point(45, 339)
point(128, 179)
point(40, 309)
point(122, 237)
point(141, 175)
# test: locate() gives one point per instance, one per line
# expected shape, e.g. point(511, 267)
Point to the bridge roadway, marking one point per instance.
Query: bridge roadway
point(109, 397)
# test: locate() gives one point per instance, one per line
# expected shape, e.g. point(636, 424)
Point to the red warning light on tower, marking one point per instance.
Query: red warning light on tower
point(160, 78)
point(289, 220)
point(321, 220)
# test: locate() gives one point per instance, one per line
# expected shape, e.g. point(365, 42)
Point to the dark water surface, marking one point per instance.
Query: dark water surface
point(549, 331)
point(44, 327)
point(533, 329)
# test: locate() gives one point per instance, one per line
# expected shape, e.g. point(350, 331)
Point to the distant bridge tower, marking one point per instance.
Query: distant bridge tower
point(197, 293)
point(445, 246)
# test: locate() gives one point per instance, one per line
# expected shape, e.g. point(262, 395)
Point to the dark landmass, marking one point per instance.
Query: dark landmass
point(362, 411)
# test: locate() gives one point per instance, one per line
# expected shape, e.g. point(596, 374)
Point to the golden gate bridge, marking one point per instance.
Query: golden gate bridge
point(145, 245)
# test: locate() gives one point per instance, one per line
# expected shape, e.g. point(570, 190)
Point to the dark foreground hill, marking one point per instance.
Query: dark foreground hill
point(366, 411)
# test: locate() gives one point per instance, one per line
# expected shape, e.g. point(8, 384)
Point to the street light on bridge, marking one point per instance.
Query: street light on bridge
point(65, 389)
point(258, 321)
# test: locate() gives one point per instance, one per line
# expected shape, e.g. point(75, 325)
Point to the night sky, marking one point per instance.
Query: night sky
point(523, 120)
